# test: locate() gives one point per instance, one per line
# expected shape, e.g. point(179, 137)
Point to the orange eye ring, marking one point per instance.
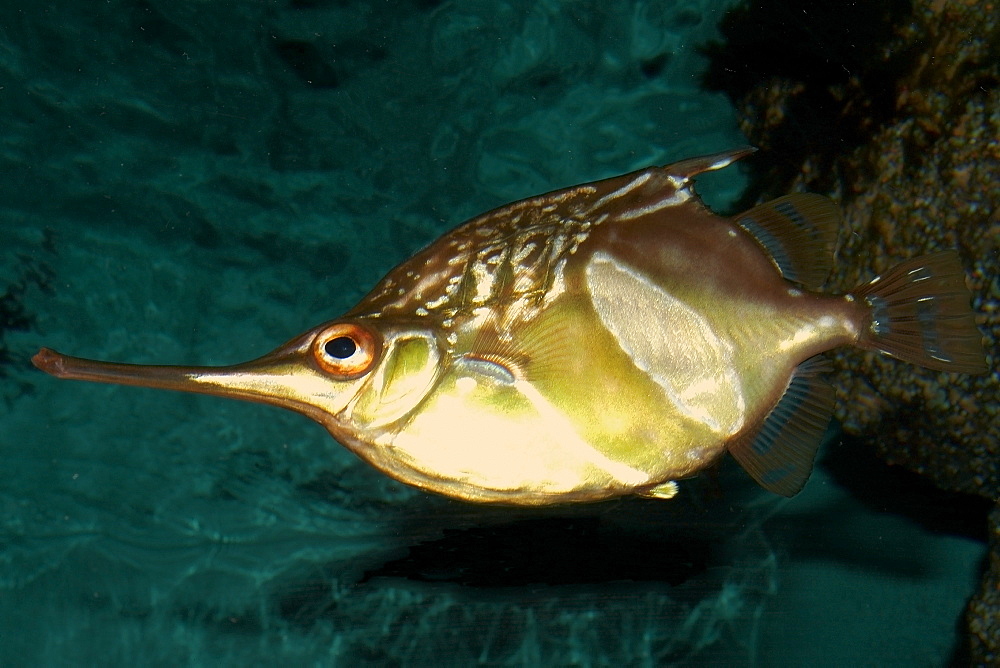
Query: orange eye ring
point(346, 349)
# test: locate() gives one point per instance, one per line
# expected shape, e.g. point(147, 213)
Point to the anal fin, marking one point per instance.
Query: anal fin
point(780, 455)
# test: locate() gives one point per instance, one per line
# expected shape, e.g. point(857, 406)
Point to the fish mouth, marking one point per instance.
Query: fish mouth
point(77, 368)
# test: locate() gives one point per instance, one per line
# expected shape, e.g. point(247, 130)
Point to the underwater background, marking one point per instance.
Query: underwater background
point(196, 181)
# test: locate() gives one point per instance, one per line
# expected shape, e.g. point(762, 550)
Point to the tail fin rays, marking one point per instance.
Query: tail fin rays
point(921, 314)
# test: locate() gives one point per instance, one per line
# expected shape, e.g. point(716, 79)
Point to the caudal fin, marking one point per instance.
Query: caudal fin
point(921, 314)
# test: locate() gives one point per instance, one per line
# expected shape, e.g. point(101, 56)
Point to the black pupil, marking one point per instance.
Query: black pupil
point(341, 347)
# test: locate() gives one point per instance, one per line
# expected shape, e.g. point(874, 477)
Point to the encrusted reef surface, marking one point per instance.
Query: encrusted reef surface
point(897, 118)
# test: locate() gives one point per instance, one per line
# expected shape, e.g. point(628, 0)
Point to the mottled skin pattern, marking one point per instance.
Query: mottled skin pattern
point(595, 341)
point(600, 340)
point(510, 297)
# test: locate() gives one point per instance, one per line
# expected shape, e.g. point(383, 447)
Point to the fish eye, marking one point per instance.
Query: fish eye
point(341, 347)
point(346, 349)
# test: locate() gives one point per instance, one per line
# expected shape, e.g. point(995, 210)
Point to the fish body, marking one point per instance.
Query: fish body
point(605, 339)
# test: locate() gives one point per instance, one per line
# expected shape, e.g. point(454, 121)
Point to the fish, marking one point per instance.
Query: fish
point(608, 339)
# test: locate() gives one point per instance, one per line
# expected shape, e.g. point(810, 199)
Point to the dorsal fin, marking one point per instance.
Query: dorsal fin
point(779, 456)
point(798, 231)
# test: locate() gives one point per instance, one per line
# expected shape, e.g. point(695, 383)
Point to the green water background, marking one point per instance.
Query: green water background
point(196, 182)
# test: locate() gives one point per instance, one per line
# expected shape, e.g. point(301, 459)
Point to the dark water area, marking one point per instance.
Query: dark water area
point(196, 182)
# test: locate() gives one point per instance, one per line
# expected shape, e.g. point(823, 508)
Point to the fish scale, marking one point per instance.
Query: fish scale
point(607, 339)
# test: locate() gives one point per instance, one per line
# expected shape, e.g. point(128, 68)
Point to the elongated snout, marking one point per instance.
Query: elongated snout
point(286, 377)
point(184, 379)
